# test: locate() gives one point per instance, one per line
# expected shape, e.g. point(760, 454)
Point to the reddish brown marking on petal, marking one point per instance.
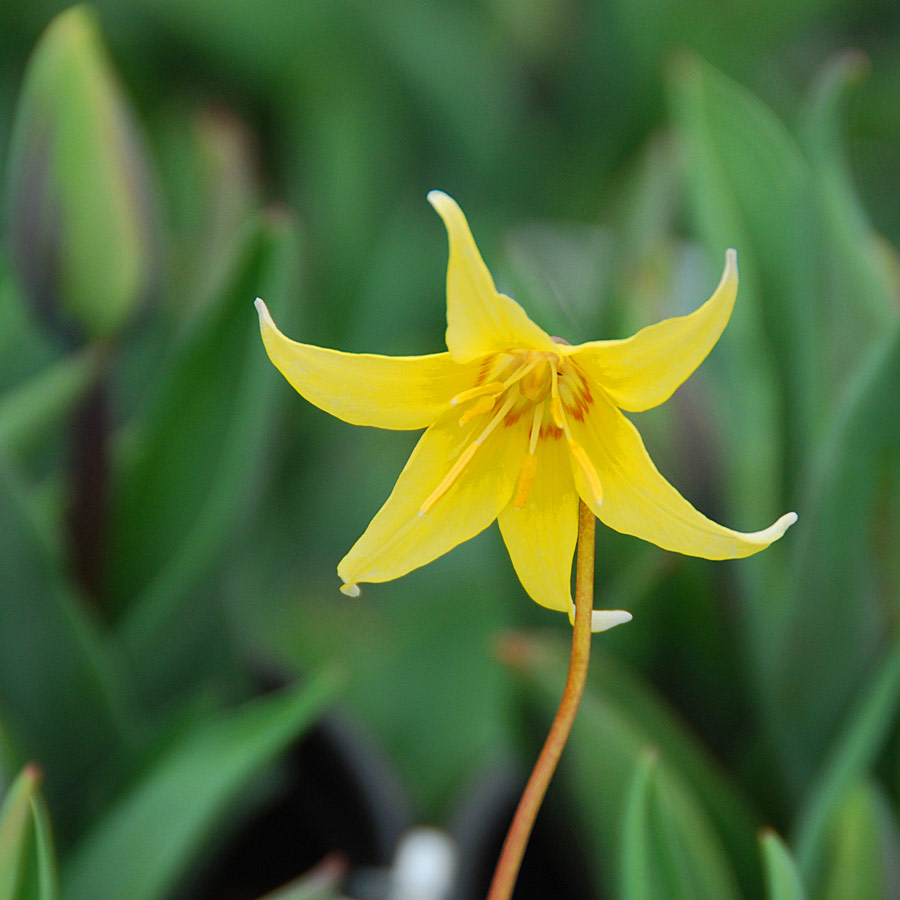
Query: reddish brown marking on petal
point(486, 364)
point(513, 416)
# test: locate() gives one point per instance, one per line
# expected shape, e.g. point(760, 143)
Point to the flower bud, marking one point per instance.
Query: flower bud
point(81, 224)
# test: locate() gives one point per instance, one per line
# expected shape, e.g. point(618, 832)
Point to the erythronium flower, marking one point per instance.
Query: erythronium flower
point(519, 425)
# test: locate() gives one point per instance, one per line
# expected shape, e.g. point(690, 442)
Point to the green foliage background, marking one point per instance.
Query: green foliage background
point(606, 155)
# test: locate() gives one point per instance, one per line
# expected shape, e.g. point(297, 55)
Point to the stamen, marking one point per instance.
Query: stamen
point(555, 405)
point(588, 470)
point(456, 470)
point(484, 405)
point(491, 387)
point(526, 480)
point(529, 464)
point(521, 372)
point(535, 427)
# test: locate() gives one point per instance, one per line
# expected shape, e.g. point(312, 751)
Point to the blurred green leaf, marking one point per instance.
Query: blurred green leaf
point(731, 147)
point(782, 877)
point(861, 279)
point(851, 756)
point(190, 464)
point(559, 273)
point(607, 742)
point(27, 861)
point(15, 825)
point(835, 600)
point(665, 849)
point(652, 867)
point(80, 215)
point(43, 880)
point(450, 60)
point(60, 690)
point(31, 409)
point(863, 846)
point(156, 830)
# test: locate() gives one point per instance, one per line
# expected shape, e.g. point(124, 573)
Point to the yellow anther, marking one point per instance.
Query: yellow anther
point(556, 412)
point(526, 481)
point(588, 470)
point(479, 408)
point(491, 388)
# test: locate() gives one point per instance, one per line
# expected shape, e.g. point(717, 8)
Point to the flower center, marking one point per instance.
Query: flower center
point(536, 383)
point(548, 389)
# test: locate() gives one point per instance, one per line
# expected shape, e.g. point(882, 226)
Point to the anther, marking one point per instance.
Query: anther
point(483, 405)
point(491, 388)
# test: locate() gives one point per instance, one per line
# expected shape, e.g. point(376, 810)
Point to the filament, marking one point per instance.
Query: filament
point(456, 470)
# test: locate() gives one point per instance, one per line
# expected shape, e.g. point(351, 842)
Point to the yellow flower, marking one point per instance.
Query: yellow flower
point(518, 427)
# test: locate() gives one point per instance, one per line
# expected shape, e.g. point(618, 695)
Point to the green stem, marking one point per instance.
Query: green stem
point(510, 861)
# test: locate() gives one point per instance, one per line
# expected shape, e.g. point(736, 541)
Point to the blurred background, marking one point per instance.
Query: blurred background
point(204, 713)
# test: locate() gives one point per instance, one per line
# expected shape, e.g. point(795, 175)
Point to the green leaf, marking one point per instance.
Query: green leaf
point(863, 846)
point(186, 475)
point(607, 742)
point(860, 270)
point(61, 695)
point(733, 146)
point(43, 877)
point(782, 877)
point(664, 855)
point(15, 822)
point(81, 219)
point(31, 409)
point(836, 560)
point(157, 829)
point(852, 755)
point(749, 188)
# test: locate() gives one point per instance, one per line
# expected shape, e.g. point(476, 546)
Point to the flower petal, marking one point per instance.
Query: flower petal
point(400, 537)
point(644, 370)
point(402, 392)
point(541, 536)
point(637, 500)
point(479, 319)
point(603, 619)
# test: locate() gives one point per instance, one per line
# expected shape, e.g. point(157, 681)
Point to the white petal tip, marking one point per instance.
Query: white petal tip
point(436, 197)
point(350, 589)
point(604, 619)
point(731, 258)
point(263, 310)
point(761, 539)
point(785, 522)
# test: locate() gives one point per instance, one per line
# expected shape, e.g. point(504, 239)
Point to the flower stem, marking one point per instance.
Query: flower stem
point(523, 821)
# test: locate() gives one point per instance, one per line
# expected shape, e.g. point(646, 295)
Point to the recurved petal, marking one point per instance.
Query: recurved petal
point(541, 536)
point(637, 500)
point(401, 538)
point(479, 319)
point(402, 392)
point(644, 370)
